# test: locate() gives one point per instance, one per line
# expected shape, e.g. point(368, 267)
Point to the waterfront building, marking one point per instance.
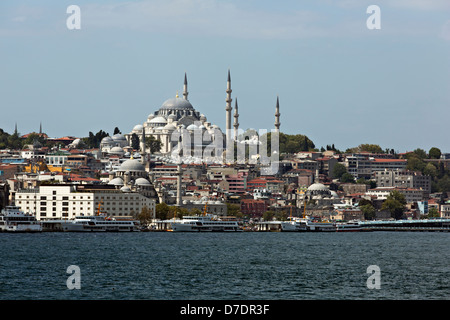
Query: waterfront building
point(67, 201)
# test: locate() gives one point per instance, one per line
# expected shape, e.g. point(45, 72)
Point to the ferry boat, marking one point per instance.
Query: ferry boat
point(206, 222)
point(288, 226)
point(12, 219)
point(351, 226)
point(99, 223)
point(320, 226)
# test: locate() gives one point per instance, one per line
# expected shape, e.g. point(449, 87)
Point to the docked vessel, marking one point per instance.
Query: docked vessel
point(206, 222)
point(99, 223)
point(12, 219)
point(320, 226)
point(351, 226)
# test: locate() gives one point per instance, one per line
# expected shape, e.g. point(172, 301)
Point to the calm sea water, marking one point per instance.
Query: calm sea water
point(247, 266)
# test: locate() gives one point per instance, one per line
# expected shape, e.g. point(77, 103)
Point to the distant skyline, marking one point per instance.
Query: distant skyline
point(338, 82)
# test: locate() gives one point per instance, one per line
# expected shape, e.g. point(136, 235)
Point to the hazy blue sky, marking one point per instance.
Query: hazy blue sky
point(338, 82)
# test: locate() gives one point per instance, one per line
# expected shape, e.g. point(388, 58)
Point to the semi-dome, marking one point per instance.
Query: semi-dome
point(192, 127)
point(116, 182)
point(125, 189)
point(169, 126)
point(116, 150)
point(118, 136)
point(176, 103)
point(142, 182)
point(138, 127)
point(158, 119)
point(132, 165)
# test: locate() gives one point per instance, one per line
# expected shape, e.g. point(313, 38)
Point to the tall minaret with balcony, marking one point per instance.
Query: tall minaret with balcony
point(228, 109)
point(277, 116)
point(236, 120)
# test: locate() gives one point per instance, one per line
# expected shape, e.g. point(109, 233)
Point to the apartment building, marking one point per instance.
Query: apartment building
point(403, 178)
point(68, 201)
point(411, 194)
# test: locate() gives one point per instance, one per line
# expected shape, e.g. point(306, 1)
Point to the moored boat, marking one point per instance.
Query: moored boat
point(351, 226)
point(13, 219)
point(99, 223)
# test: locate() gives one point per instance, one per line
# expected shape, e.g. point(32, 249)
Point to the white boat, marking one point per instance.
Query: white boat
point(351, 226)
point(204, 223)
point(99, 223)
point(12, 219)
point(320, 226)
point(288, 226)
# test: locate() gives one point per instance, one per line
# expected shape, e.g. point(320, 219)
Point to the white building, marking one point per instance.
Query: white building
point(68, 201)
point(411, 194)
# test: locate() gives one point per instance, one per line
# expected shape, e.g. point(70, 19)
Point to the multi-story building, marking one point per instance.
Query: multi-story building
point(253, 208)
point(365, 167)
point(411, 194)
point(68, 201)
point(403, 178)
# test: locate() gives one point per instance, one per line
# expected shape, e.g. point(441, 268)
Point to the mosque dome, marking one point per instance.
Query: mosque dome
point(176, 103)
point(318, 190)
point(142, 182)
point(192, 127)
point(169, 126)
point(118, 137)
point(116, 150)
point(125, 189)
point(107, 139)
point(116, 182)
point(131, 165)
point(318, 187)
point(158, 120)
point(138, 128)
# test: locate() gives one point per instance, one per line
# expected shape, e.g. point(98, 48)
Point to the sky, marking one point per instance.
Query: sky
point(338, 81)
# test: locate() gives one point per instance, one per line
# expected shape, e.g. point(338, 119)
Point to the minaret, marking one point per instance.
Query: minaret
point(179, 176)
point(185, 90)
point(277, 117)
point(142, 147)
point(228, 108)
point(236, 118)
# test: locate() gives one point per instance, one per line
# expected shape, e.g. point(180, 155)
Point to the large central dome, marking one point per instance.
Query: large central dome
point(176, 103)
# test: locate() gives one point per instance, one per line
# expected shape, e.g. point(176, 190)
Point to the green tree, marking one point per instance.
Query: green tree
point(347, 178)
point(338, 170)
point(433, 213)
point(145, 216)
point(162, 211)
point(372, 148)
point(415, 163)
point(116, 130)
point(430, 170)
point(288, 143)
point(195, 212)
point(269, 215)
point(233, 209)
point(93, 140)
point(434, 153)
point(135, 141)
point(153, 143)
point(420, 153)
point(395, 204)
point(368, 210)
point(443, 185)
